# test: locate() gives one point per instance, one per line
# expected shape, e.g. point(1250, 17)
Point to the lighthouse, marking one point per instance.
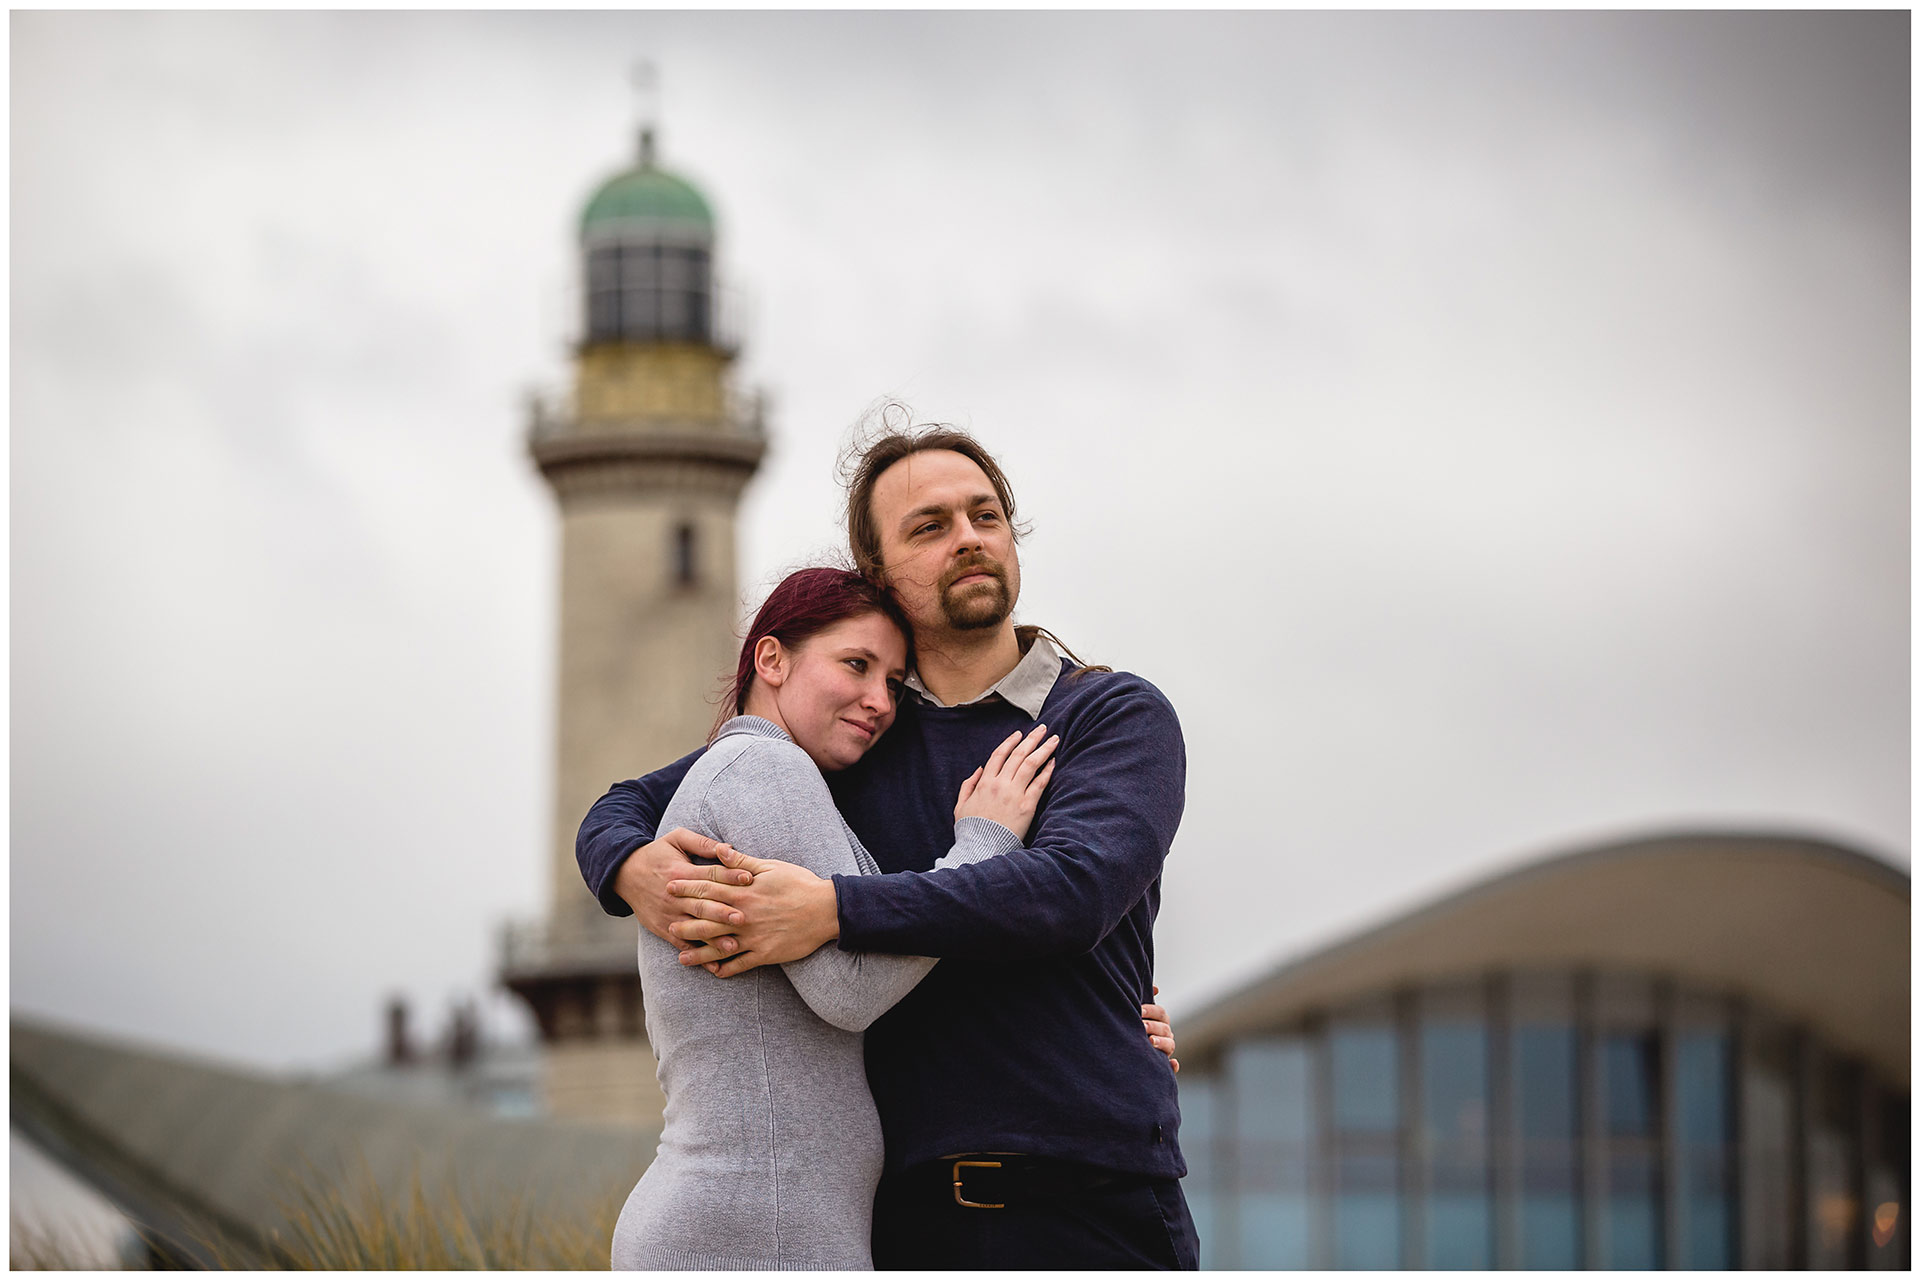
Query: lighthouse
point(647, 459)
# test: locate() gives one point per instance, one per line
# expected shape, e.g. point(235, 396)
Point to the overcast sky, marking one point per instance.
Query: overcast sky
point(1490, 431)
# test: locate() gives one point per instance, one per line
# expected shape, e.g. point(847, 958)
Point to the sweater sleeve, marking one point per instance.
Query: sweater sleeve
point(621, 822)
point(1103, 832)
point(773, 800)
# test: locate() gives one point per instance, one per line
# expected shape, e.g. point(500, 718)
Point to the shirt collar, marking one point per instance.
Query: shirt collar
point(758, 727)
point(1026, 686)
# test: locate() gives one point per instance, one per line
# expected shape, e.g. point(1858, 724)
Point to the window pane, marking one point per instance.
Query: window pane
point(1544, 1080)
point(1549, 1220)
point(603, 268)
point(1366, 1079)
point(1633, 1209)
point(1364, 1062)
point(1453, 1091)
point(1453, 1086)
point(1632, 1083)
point(603, 281)
point(1835, 1209)
point(1546, 1107)
point(1459, 1220)
point(1273, 1230)
point(699, 285)
point(1273, 1138)
point(1272, 1100)
point(641, 265)
point(673, 313)
point(1831, 1153)
point(1702, 1065)
point(673, 269)
point(1766, 1136)
point(1366, 1211)
point(1885, 1223)
point(1198, 1099)
point(686, 561)
point(642, 318)
point(603, 315)
point(1630, 1097)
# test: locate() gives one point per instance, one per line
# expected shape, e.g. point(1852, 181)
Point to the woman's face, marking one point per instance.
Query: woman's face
point(836, 692)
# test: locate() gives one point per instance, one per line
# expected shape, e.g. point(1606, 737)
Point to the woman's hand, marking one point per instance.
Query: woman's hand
point(1007, 788)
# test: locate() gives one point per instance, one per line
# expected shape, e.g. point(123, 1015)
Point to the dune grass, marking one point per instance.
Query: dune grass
point(352, 1224)
point(336, 1226)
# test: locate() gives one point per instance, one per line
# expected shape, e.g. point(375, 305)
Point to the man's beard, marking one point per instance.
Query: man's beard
point(980, 605)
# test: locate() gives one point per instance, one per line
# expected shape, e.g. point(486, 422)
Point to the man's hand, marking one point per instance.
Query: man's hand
point(642, 878)
point(1159, 1030)
point(784, 914)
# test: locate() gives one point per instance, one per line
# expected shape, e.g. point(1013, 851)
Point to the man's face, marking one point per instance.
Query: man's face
point(945, 542)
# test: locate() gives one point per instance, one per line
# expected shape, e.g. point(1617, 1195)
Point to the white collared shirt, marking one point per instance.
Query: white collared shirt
point(1026, 686)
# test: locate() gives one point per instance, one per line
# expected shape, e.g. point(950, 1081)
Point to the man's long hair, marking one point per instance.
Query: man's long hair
point(885, 434)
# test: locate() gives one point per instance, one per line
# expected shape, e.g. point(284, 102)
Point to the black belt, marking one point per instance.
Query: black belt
point(995, 1180)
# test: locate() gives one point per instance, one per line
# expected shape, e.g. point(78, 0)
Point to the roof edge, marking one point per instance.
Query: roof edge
point(1223, 1011)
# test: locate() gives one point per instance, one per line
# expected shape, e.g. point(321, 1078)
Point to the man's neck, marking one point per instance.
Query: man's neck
point(958, 667)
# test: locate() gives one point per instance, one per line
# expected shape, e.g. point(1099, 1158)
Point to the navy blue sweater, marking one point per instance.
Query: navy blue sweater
point(1026, 1037)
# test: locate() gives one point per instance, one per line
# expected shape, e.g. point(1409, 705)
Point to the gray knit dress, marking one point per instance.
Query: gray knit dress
point(771, 1148)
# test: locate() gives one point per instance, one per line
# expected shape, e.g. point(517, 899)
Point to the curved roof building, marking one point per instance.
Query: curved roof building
point(1687, 1051)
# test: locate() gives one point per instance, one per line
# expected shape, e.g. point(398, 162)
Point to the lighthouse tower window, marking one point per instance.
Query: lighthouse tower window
point(684, 569)
point(649, 293)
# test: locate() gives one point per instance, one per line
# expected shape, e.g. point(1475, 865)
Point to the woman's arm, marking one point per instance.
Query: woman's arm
point(772, 797)
point(852, 989)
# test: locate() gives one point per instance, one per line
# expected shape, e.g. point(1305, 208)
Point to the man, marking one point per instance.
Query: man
point(1027, 1122)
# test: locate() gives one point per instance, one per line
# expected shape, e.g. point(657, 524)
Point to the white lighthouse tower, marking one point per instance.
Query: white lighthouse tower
point(647, 463)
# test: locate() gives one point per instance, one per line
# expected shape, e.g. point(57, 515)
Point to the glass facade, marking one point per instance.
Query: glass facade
point(1455, 1173)
point(1768, 1232)
point(1546, 1120)
point(1543, 1121)
point(1703, 1159)
point(1630, 1133)
point(1199, 1131)
point(1832, 1153)
point(1363, 1079)
point(1263, 1207)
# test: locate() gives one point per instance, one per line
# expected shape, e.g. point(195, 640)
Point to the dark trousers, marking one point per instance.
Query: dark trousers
point(1127, 1222)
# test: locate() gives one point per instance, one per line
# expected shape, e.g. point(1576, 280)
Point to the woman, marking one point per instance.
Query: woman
point(771, 1148)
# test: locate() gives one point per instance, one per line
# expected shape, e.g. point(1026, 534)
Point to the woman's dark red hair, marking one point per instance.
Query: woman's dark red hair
point(807, 602)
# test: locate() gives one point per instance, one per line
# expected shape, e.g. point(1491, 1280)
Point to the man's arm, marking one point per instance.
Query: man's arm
point(1110, 817)
point(621, 822)
point(773, 797)
point(620, 825)
point(1111, 813)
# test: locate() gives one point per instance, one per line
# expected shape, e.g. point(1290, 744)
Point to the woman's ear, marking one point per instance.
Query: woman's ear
point(770, 662)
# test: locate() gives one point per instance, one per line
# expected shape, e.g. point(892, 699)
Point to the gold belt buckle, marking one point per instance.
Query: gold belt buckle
point(958, 1178)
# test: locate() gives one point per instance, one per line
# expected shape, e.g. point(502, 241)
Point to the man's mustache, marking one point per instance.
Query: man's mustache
point(976, 565)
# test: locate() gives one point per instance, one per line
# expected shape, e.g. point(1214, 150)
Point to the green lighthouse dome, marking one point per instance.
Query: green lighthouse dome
point(646, 201)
